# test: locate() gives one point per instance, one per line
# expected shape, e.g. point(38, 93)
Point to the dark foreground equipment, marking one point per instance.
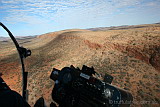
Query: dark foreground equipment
point(78, 88)
point(23, 53)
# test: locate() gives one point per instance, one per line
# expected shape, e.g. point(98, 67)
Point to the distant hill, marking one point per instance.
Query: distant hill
point(123, 27)
point(4, 38)
point(131, 54)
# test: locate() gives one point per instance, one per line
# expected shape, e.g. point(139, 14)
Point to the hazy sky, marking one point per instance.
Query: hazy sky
point(34, 17)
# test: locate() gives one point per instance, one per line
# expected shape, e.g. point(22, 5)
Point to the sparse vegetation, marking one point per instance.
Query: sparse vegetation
point(130, 55)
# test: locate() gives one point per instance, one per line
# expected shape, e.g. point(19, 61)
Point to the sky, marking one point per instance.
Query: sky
point(35, 17)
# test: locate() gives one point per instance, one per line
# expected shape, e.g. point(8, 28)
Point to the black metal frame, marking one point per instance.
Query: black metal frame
point(23, 53)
